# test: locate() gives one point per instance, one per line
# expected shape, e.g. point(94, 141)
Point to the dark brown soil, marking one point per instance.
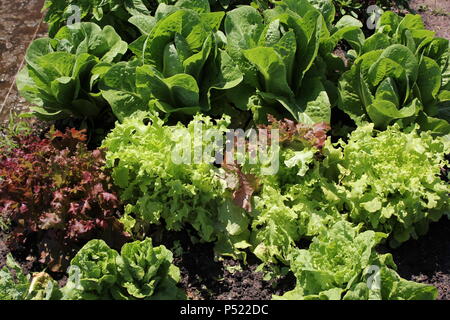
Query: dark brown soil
point(206, 278)
point(19, 24)
point(427, 260)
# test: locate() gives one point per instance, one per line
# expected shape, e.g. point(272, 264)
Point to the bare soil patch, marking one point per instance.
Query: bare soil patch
point(435, 14)
point(20, 22)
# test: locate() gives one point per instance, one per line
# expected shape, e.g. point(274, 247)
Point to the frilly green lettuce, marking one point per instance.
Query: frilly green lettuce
point(390, 180)
point(157, 189)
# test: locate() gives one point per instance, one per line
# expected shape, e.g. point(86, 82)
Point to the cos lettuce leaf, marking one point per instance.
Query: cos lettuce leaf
point(180, 68)
point(400, 75)
point(277, 59)
point(57, 77)
point(140, 271)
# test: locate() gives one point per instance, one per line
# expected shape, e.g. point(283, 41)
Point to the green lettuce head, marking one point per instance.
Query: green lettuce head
point(95, 266)
point(147, 272)
point(141, 271)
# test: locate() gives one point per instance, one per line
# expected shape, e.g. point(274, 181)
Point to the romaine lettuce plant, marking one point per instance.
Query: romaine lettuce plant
point(102, 12)
point(140, 271)
point(286, 56)
point(56, 195)
point(121, 14)
point(189, 60)
point(147, 272)
point(180, 67)
point(95, 273)
point(277, 58)
point(57, 77)
point(98, 272)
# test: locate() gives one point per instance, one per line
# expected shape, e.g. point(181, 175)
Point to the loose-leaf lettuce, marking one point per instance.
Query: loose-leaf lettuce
point(157, 188)
point(390, 182)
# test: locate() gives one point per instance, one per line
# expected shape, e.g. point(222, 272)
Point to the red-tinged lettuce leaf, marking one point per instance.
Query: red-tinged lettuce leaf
point(57, 196)
point(292, 132)
point(246, 186)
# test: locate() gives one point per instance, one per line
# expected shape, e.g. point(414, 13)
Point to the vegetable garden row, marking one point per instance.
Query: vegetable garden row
point(361, 152)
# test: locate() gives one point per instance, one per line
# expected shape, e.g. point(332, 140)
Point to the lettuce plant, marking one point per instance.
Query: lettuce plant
point(289, 204)
point(95, 273)
point(148, 272)
point(157, 189)
point(57, 193)
point(390, 183)
point(15, 285)
point(57, 77)
point(358, 8)
point(98, 272)
point(276, 53)
point(341, 263)
point(284, 218)
point(190, 59)
point(401, 75)
point(285, 54)
point(140, 271)
point(179, 68)
point(120, 14)
point(390, 180)
point(408, 30)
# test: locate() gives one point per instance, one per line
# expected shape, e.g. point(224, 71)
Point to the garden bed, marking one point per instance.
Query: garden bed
point(20, 22)
point(204, 275)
